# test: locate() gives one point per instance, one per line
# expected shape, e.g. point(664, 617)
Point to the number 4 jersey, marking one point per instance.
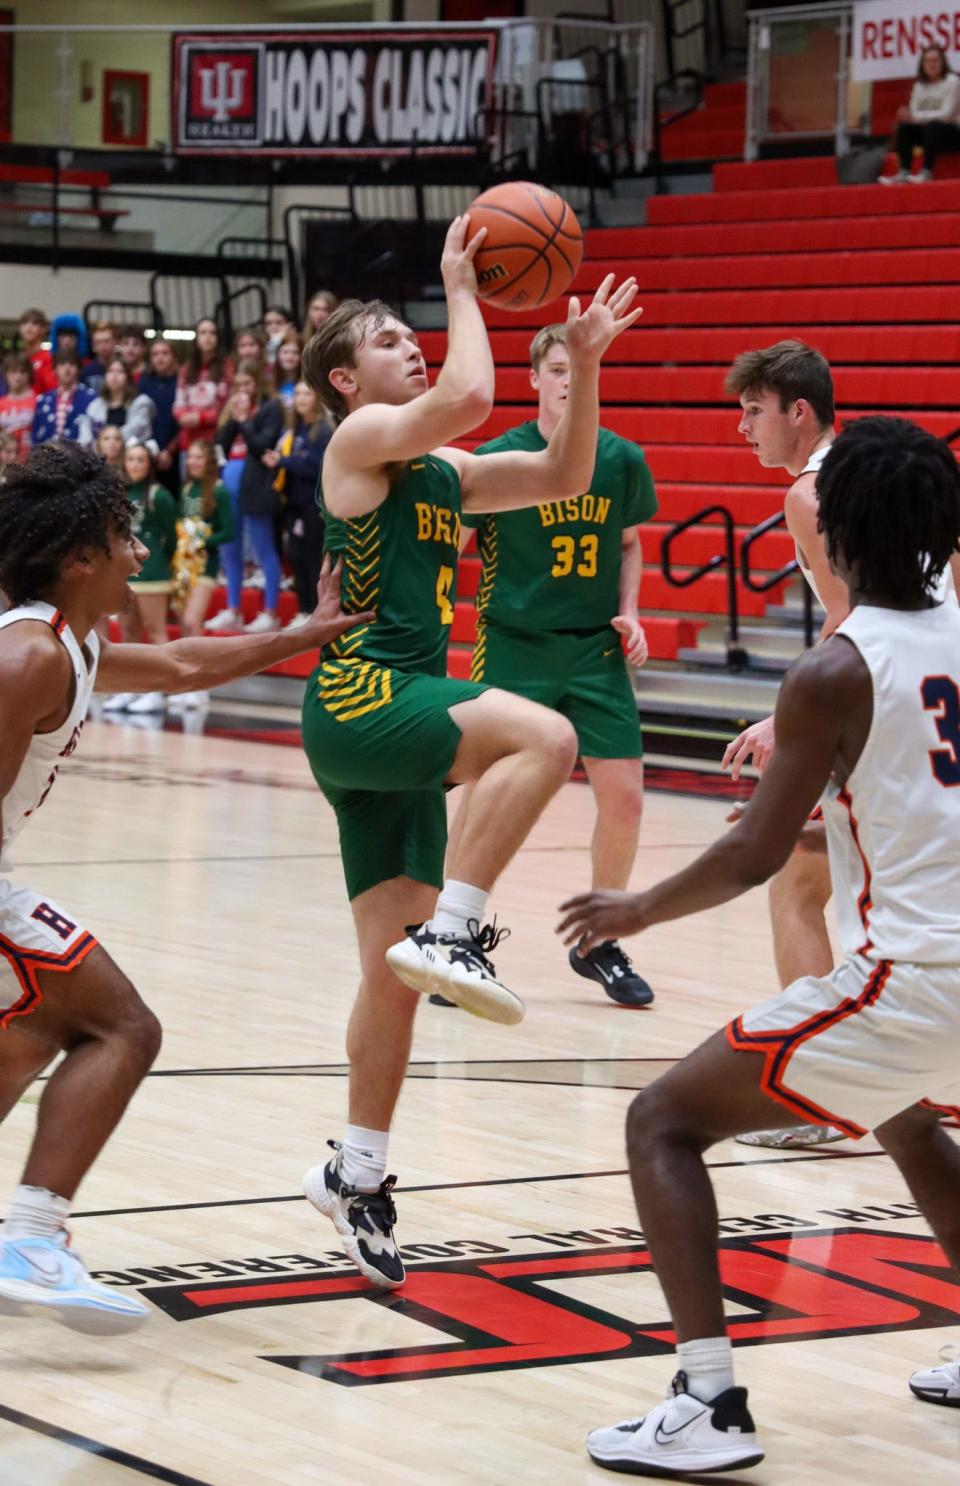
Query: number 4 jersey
point(557, 567)
point(893, 830)
point(401, 560)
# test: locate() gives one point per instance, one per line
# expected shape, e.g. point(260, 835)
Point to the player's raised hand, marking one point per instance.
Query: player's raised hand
point(328, 620)
point(590, 332)
point(591, 918)
point(456, 262)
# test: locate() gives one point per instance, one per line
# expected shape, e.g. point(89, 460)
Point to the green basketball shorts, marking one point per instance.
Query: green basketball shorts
point(581, 674)
point(380, 743)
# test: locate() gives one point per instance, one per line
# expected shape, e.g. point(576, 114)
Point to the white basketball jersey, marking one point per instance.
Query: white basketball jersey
point(893, 831)
point(40, 768)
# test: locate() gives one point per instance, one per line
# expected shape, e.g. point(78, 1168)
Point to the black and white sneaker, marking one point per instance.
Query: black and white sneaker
point(456, 966)
point(611, 968)
point(364, 1220)
point(940, 1384)
point(681, 1436)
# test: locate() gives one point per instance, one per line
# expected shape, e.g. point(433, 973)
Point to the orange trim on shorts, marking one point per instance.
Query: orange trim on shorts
point(58, 623)
point(948, 1109)
point(779, 1046)
point(26, 964)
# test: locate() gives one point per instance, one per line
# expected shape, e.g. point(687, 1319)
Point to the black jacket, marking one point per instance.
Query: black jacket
point(260, 433)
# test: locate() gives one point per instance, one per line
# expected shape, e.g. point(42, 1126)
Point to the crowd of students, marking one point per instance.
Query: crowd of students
point(220, 452)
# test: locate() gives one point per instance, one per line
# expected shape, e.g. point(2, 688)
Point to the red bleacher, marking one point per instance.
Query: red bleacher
point(707, 271)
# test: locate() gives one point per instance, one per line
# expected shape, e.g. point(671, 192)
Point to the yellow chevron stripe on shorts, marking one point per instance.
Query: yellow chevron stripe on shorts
point(350, 688)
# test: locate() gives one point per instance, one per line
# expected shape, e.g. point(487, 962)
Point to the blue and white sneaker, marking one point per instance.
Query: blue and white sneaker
point(45, 1277)
point(681, 1436)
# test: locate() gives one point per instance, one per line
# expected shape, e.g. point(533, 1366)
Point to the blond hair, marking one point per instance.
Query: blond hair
point(544, 340)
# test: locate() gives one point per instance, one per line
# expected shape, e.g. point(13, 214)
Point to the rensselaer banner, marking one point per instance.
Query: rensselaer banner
point(371, 92)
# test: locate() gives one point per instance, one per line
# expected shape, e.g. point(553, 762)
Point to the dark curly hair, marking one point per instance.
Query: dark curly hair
point(63, 498)
point(890, 502)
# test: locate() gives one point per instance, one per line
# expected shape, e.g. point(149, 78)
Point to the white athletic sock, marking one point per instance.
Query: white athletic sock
point(363, 1157)
point(708, 1364)
point(458, 903)
point(36, 1213)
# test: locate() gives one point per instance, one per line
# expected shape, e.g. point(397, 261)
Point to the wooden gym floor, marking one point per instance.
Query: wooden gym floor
point(209, 869)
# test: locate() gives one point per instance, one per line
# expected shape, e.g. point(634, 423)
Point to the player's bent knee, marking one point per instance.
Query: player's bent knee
point(556, 742)
point(142, 1032)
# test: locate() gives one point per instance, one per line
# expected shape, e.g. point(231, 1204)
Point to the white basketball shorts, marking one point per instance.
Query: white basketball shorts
point(35, 934)
point(862, 1044)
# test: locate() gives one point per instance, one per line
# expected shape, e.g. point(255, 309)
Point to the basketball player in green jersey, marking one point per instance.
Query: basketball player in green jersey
point(385, 730)
point(559, 587)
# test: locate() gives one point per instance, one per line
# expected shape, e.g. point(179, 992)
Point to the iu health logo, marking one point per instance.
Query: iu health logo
point(221, 95)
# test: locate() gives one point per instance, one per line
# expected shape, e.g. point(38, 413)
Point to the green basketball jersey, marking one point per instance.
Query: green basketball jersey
point(401, 560)
point(557, 567)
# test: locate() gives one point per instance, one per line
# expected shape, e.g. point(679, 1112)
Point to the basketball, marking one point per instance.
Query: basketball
point(533, 245)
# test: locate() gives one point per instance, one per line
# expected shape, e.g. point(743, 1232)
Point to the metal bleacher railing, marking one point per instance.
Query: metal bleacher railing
point(737, 657)
point(799, 79)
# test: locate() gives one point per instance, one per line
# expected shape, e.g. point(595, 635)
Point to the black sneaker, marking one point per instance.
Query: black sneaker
point(364, 1220)
point(611, 968)
point(457, 967)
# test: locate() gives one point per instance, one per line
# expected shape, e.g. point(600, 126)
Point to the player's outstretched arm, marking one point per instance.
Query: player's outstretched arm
point(825, 698)
point(379, 433)
point(503, 482)
point(198, 664)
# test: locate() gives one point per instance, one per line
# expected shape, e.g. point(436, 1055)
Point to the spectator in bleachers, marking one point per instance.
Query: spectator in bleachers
point(159, 384)
point(286, 373)
point(250, 344)
point(133, 349)
point(19, 403)
point(8, 458)
point(205, 523)
point(930, 120)
point(59, 414)
point(321, 307)
point(33, 332)
point(69, 333)
point(277, 320)
point(155, 525)
point(104, 344)
point(250, 427)
point(203, 386)
point(120, 404)
point(298, 462)
point(109, 446)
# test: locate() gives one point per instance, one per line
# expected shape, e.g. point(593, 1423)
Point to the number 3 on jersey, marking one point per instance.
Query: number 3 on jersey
point(941, 695)
point(566, 548)
point(444, 585)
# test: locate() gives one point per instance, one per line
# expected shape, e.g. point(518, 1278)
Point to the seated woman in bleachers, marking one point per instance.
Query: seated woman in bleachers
point(931, 120)
point(120, 405)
